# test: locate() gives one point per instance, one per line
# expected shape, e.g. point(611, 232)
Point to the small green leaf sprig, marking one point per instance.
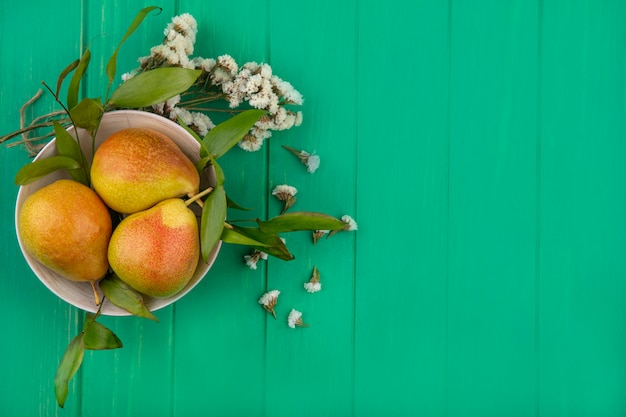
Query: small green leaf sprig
point(171, 83)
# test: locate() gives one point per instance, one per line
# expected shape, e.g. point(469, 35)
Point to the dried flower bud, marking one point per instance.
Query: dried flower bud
point(314, 284)
point(318, 234)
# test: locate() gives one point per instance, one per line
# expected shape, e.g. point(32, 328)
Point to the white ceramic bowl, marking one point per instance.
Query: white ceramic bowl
point(80, 294)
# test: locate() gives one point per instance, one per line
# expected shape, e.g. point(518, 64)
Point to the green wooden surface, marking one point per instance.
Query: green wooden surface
point(480, 145)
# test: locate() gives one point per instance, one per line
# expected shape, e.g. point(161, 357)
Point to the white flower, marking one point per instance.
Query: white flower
point(201, 123)
point(250, 143)
point(254, 257)
point(225, 70)
point(184, 114)
point(295, 319)
point(269, 300)
point(350, 223)
point(205, 64)
point(285, 193)
point(290, 94)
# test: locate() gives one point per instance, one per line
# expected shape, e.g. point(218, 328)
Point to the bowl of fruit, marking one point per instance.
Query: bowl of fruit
point(133, 216)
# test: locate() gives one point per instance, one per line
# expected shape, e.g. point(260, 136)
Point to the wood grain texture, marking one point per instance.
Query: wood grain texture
point(480, 146)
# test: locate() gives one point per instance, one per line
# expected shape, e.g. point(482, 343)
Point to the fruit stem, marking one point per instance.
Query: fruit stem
point(96, 296)
point(198, 197)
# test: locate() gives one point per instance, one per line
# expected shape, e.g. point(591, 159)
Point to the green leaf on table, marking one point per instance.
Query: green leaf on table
point(256, 238)
point(64, 74)
point(154, 86)
point(226, 134)
point(42, 167)
point(122, 295)
point(72, 90)
point(87, 115)
point(300, 220)
point(112, 64)
point(96, 336)
point(67, 146)
point(212, 221)
point(71, 361)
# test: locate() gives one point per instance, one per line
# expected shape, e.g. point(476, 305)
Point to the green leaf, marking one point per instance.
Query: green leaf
point(64, 74)
point(154, 86)
point(300, 220)
point(234, 205)
point(219, 174)
point(42, 167)
point(98, 337)
point(226, 134)
point(212, 221)
point(272, 244)
point(67, 146)
point(112, 64)
point(122, 295)
point(72, 90)
point(238, 238)
point(87, 115)
point(71, 361)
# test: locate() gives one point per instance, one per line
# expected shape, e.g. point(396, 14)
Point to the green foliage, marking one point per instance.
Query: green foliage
point(153, 87)
point(112, 64)
point(226, 135)
point(212, 221)
point(122, 295)
point(87, 114)
point(68, 147)
point(38, 169)
point(72, 90)
point(71, 361)
point(98, 337)
point(296, 221)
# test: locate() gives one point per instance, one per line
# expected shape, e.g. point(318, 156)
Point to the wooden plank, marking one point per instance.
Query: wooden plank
point(493, 144)
point(583, 202)
point(137, 378)
point(37, 325)
point(310, 370)
point(219, 327)
point(402, 175)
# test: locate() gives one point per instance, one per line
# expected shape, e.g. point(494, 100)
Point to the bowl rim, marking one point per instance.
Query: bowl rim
point(108, 309)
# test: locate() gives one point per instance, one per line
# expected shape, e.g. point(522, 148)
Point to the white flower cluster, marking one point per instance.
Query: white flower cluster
point(256, 84)
point(222, 78)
